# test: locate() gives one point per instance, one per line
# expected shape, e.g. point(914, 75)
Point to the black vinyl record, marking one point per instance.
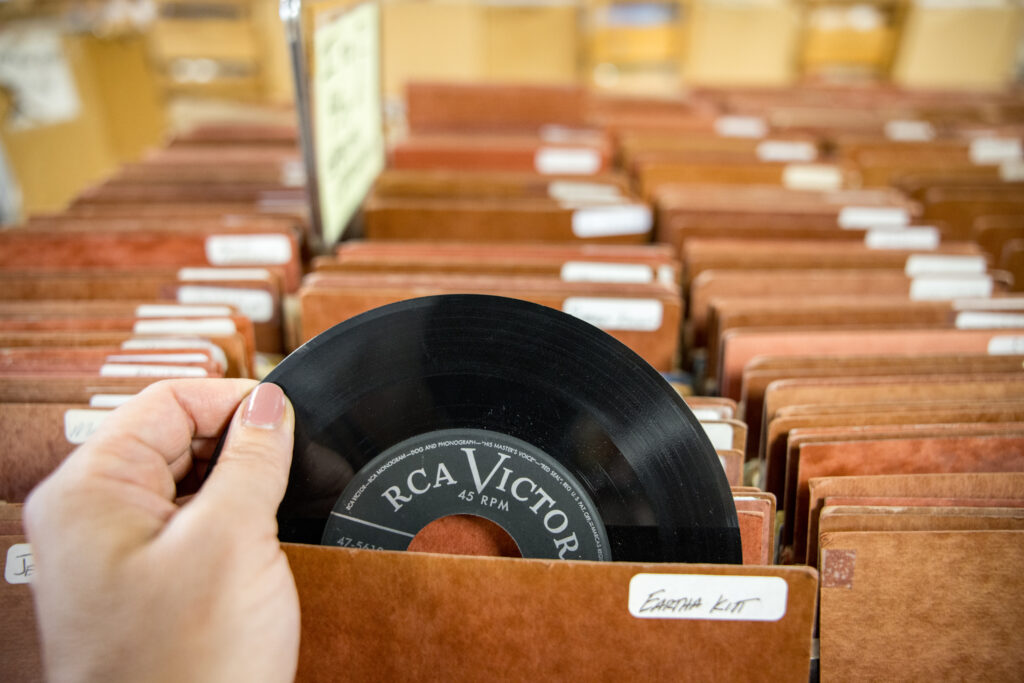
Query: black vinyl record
point(504, 409)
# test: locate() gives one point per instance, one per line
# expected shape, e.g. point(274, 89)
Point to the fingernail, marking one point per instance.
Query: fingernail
point(265, 407)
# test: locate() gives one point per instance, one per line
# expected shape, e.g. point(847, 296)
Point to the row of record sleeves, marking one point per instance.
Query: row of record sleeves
point(829, 276)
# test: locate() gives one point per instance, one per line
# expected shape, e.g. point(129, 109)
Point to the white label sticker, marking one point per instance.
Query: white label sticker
point(641, 315)
point(588, 271)
point(255, 304)
point(866, 217)
point(554, 134)
point(172, 310)
point(609, 221)
point(567, 161)
point(216, 274)
point(706, 596)
point(709, 414)
point(909, 130)
point(145, 370)
point(178, 358)
point(248, 250)
point(177, 343)
point(920, 239)
point(667, 275)
point(786, 150)
point(935, 287)
point(109, 400)
point(1006, 345)
point(20, 565)
point(201, 326)
point(80, 424)
point(293, 173)
point(990, 151)
point(741, 127)
point(983, 320)
point(1011, 171)
point(719, 433)
point(35, 71)
point(937, 264)
point(816, 177)
point(1002, 303)
point(574, 191)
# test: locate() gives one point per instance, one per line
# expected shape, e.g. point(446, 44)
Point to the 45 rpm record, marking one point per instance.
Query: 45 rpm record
point(503, 409)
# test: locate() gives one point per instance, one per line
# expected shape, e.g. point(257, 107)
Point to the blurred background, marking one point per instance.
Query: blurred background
point(87, 86)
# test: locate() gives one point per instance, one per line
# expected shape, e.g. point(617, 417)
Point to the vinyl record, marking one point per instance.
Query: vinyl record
point(506, 410)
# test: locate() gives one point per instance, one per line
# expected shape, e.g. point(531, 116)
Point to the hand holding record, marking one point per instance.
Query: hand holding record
point(468, 405)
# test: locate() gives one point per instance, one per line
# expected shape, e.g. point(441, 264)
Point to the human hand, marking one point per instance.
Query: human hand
point(129, 586)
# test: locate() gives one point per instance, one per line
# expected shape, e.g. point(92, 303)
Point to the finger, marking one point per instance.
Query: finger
point(251, 474)
point(119, 484)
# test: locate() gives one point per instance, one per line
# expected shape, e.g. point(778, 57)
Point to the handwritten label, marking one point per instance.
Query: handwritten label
point(937, 264)
point(587, 271)
point(147, 370)
point(248, 250)
point(711, 413)
point(909, 130)
point(293, 173)
point(348, 113)
point(178, 358)
point(741, 127)
point(1002, 303)
point(109, 400)
point(178, 343)
point(34, 68)
point(935, 287)
point(988, 151)
point(567, 161)
point(918, 239)
point(554, 134)
point(214, 327)
point(20, 565)
point(172, 310)
point(984, 320)
point(719, 433)
point(256, 304)
point(574, 191)
point(609, 221)
point(80, 423)
point(1006, 345)
point(1011, 171)
point(786, 150)
point(817, 177)
point(641, 315)
point(866, 217)
point(217, 274)
point(667, 275)
point(707, 596)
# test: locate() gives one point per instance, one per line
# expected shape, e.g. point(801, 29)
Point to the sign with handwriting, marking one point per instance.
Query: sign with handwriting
point(348, 121)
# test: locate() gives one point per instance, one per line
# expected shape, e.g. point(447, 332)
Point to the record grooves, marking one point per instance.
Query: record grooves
point(504, 409)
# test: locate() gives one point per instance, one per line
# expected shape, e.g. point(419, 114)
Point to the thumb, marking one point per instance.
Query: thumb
point(251, 474)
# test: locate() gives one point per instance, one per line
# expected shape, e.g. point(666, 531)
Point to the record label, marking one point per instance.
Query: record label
point(468, 471)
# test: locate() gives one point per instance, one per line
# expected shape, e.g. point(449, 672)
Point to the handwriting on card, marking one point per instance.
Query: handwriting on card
point(707, 596)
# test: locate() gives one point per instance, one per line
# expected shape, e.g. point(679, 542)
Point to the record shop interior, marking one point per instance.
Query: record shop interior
point(622, 339)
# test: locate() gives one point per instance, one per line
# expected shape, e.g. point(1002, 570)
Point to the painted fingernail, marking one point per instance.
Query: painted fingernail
point(265, 407)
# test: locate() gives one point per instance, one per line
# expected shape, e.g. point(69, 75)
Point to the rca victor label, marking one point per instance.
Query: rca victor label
point(468, 471)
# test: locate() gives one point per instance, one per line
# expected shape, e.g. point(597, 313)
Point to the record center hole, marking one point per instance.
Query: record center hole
point(465, 535)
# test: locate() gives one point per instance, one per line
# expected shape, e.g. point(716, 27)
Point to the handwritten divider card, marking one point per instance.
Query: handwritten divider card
point(389, 615)
point(20, 658)
point(348, 120)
